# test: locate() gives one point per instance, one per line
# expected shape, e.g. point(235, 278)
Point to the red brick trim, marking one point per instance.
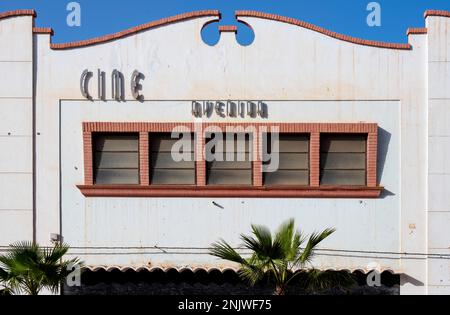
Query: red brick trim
point(442, 13)
point(257, 190)
point(200, 163)
point(229, 192)
point(372, 154)
point(321, 30)
point(228, 28)
point(257, 161)
point(133, 127)
point(283, 127)
point(417, 31)
point(144, 159)
point(14, 13)
point(88, 158)
point(298, 127)
point(137, 29)
point(43, 30)
point(314, 159)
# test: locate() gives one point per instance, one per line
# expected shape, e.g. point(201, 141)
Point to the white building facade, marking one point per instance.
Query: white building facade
point(363, 143)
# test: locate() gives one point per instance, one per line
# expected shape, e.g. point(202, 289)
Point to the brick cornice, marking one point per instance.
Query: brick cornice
point(416, 31)
point(8, 14)
point(284, 127)
point(442, 13)
point(321, 30)
point(134, 30)
point(43, 30)
point(228, 28)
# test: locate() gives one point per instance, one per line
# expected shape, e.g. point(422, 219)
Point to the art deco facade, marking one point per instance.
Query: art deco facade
point(364, 142)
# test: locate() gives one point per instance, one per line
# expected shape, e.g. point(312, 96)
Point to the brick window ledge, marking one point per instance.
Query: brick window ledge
point(230, 191)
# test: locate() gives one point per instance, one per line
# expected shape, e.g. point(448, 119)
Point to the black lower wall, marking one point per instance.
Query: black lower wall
point(202, 283)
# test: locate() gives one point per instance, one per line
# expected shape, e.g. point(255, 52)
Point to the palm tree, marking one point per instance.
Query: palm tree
point(279, 256)
point(28, 268)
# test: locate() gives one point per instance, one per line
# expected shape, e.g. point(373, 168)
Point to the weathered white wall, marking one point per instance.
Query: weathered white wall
point(16, 149)
point(439, 153)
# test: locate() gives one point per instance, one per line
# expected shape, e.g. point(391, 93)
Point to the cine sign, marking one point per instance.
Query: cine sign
point(117, 85)
point(242, 109)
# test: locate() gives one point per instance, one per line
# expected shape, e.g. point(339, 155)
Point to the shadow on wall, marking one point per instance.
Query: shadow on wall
point(384, 139)
point(404, 279)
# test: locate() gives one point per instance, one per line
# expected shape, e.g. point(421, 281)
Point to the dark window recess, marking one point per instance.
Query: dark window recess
point(293, 160)
point(169, 169)
point(229, 160)
point(343, 159)
point(116, 159)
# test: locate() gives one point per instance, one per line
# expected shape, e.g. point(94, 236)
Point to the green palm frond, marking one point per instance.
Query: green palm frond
point(252, 269)
point(25, 252)
point(53, 255)
point(285, 234)
point(289, 240)
point(314, 240)
point(263, 235)
point(263, 242)
point(225, 251)
point(252, 244)
point(251, 273)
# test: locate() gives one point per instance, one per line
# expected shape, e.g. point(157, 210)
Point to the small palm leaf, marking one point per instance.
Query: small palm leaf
point(251, 273)
point(55, 254)
point(289, 240)
point(315, 238)
point(263, 243)
point(223, 250)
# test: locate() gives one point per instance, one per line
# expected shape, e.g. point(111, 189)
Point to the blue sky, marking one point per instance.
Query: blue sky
point(100, 17)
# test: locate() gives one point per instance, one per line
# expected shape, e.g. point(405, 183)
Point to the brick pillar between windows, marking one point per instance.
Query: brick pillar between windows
point(200, 157)
point(144, 159)
point(314, 159)
point(88, 159)
point(257, 163)
point(372, 151)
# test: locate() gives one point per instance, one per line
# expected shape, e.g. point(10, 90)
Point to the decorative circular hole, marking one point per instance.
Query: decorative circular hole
point(210, 33)
point(245, 35)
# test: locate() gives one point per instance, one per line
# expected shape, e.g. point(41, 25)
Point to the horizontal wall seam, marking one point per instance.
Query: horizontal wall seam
point(437, 211)
point(16, 136)
point(16, 98)
point(16, 61)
